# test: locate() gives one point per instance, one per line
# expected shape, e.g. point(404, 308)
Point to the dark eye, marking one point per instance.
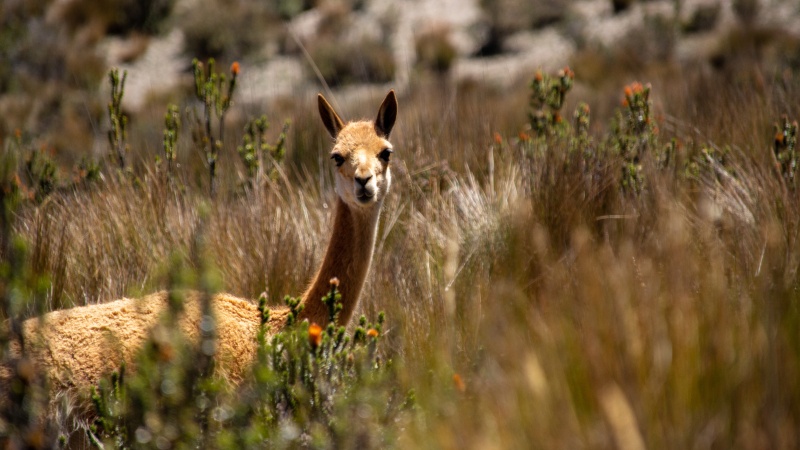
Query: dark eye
point(338, 158)
point(385, 154)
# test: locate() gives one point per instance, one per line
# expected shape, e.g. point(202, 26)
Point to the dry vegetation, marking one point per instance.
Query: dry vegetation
point(597, 286)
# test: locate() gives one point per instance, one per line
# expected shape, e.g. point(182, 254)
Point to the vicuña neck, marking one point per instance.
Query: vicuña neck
point(347, 258)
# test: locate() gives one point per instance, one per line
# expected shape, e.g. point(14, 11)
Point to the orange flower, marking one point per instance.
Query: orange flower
point(459, 383)
point(314, 335)
point(538, 76)
point(523, 136)
point(557, 117)
point(628, 91)
point(779, 138)
point(334, 282)
point(372, 332)
point(497, 138)
point(568, 72)
point(235, 68)
point(18, 133)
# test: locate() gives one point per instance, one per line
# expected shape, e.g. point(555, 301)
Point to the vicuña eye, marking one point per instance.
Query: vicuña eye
point(385, 154)
point(338, 158)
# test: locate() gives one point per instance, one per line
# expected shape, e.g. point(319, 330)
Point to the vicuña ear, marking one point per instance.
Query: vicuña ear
point(332, 121)
point(386, 115)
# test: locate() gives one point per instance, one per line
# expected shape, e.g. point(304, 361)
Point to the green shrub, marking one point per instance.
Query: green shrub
point(172, 125)
point(215, 91)
point(22, 290)
point(546, 100)
point(258, 156)
point(117, 134)
point(306, 387)
point(634, 134)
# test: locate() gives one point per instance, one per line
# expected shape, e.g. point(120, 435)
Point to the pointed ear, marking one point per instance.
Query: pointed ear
point(386, 115)
point(333, 123)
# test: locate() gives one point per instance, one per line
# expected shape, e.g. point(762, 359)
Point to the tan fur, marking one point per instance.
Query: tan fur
point(76, 347)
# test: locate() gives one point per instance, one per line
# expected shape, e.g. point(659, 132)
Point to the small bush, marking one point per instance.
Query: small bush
point(507, 17)
point(226, 30)
point(22, 290)
point(307, 384)
point(118, 16)
point(546, 100)
point(215, 92)
point(260, 158)
point(435, 51)
point(634, 134)
point(343, 64)
point(117, 134)
point(704, 18)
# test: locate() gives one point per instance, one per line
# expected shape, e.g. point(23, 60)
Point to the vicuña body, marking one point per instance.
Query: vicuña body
point(76, 347)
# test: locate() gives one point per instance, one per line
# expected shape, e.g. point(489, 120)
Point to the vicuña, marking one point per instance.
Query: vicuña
point(76, 347)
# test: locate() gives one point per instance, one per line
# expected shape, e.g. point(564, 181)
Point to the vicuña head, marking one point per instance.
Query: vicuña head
point(360, 156)
point(76, 347)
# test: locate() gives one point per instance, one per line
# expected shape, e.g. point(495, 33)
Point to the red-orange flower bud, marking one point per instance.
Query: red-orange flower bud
point(459, 383)
point(235, 68)
point(314, 335)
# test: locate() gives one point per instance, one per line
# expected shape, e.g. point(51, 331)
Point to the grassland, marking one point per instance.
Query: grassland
point(631, 283)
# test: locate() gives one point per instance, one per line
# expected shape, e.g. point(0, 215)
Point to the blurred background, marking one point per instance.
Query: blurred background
point(55, 54)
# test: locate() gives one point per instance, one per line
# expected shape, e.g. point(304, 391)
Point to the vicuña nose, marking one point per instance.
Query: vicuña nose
point(363, 181)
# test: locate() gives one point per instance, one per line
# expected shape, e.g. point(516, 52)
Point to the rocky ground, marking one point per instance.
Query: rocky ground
point(580, 24)
point(55, 87)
